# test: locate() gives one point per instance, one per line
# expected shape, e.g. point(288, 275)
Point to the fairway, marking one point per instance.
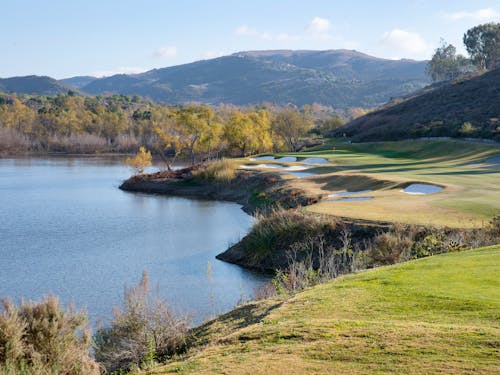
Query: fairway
point(421, 317)
point(470, 198)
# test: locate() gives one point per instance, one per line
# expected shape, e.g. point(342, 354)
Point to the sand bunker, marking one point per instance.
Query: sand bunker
point(351, 199)
point(420, 189)
point(277, 166)
point(262, 158)
point(314, 161)
point(287, 159)
point(348, 193)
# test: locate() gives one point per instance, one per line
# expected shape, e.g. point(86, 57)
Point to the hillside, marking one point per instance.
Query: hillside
point(424, 316)
point(39, 85)
point(339, 78)
point(436, 112)
point(77, 82)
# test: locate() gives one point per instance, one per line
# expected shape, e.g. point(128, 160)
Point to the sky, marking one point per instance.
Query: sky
point(62, 38)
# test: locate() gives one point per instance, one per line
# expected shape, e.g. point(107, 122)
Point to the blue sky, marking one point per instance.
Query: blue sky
point(66, 38)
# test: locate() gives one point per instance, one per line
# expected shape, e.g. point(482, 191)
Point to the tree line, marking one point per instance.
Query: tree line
point(70, 123)
point(482, 43)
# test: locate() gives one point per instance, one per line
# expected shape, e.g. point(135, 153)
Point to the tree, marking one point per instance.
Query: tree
point(446, 64)
point(291, 125)
point(483, 45)
point(140, 161)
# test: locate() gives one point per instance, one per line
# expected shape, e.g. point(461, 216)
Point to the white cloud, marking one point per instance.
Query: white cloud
point(319, 25)
point(406, 43)
point(167, 52)
point(212, 54)
point(480, 15)
point(119, 70)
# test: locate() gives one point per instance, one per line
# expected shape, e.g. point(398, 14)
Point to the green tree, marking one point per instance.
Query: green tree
point(483, 45)
point(445, 64)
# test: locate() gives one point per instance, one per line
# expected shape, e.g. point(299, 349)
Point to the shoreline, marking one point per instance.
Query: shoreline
point(254, 191)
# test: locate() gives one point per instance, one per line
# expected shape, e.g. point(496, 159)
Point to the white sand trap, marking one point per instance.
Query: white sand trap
point(287, 159)
point(314, 161)
point(351, 199)
point(255, 166)
point(301, 174)
point(262, 158)
point(296, 168)
point(421, 189)
point(290, 168)
point(348, 193)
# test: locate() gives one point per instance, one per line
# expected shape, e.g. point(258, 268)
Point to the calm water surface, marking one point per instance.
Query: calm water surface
point(66, 229)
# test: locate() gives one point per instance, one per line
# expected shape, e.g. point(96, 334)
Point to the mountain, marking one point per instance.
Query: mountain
point(39, 85)
point(440, 110)
point(77, 82)
point(340, 78)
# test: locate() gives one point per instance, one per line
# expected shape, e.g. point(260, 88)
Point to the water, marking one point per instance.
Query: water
point(66, 229)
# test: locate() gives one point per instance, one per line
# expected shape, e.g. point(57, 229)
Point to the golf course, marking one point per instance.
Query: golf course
point(468, 172)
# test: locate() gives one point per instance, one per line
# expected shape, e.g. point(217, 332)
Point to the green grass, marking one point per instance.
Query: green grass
point(434, 315)
point(472, 188)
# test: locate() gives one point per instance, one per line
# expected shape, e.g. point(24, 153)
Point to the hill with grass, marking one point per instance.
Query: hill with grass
point(338, 78)
point(39, 85)
point(425, 317)
point(462, 108)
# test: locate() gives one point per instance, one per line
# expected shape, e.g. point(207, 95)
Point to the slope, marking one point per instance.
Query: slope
point(422, 317)
point(437, 112)
point(339, 78)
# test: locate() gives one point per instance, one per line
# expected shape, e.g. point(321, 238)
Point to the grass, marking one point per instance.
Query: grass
point(472, 188)
point(421, 317)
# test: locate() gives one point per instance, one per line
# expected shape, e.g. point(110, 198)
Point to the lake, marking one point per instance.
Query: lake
point(66, 229)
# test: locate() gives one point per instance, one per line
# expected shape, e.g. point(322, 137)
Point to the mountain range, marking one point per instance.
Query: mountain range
point(338, 78)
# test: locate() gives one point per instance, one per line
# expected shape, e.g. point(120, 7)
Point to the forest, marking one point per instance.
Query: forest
point(70, 123)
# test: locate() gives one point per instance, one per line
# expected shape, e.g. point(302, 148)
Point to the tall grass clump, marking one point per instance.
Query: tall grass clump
point(141, 334)
point(274, 234)
point(43, 338)
point(222, 170)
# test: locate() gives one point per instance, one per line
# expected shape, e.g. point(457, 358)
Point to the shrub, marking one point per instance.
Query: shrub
point(223, 170)
point(145, 331)
point(42, 338)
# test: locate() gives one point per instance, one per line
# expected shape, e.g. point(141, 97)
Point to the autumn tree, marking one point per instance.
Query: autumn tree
point(140, 161)
point(291, 125)
point(248, 132)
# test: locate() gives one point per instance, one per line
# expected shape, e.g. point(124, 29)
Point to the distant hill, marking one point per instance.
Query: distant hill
point(39, 85)
point(437, 111)
point(340, 78)
point(77, 82)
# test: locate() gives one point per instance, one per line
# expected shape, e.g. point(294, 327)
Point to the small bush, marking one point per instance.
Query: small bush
point(42, 338)
point(223, 170)
point(144, 332)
